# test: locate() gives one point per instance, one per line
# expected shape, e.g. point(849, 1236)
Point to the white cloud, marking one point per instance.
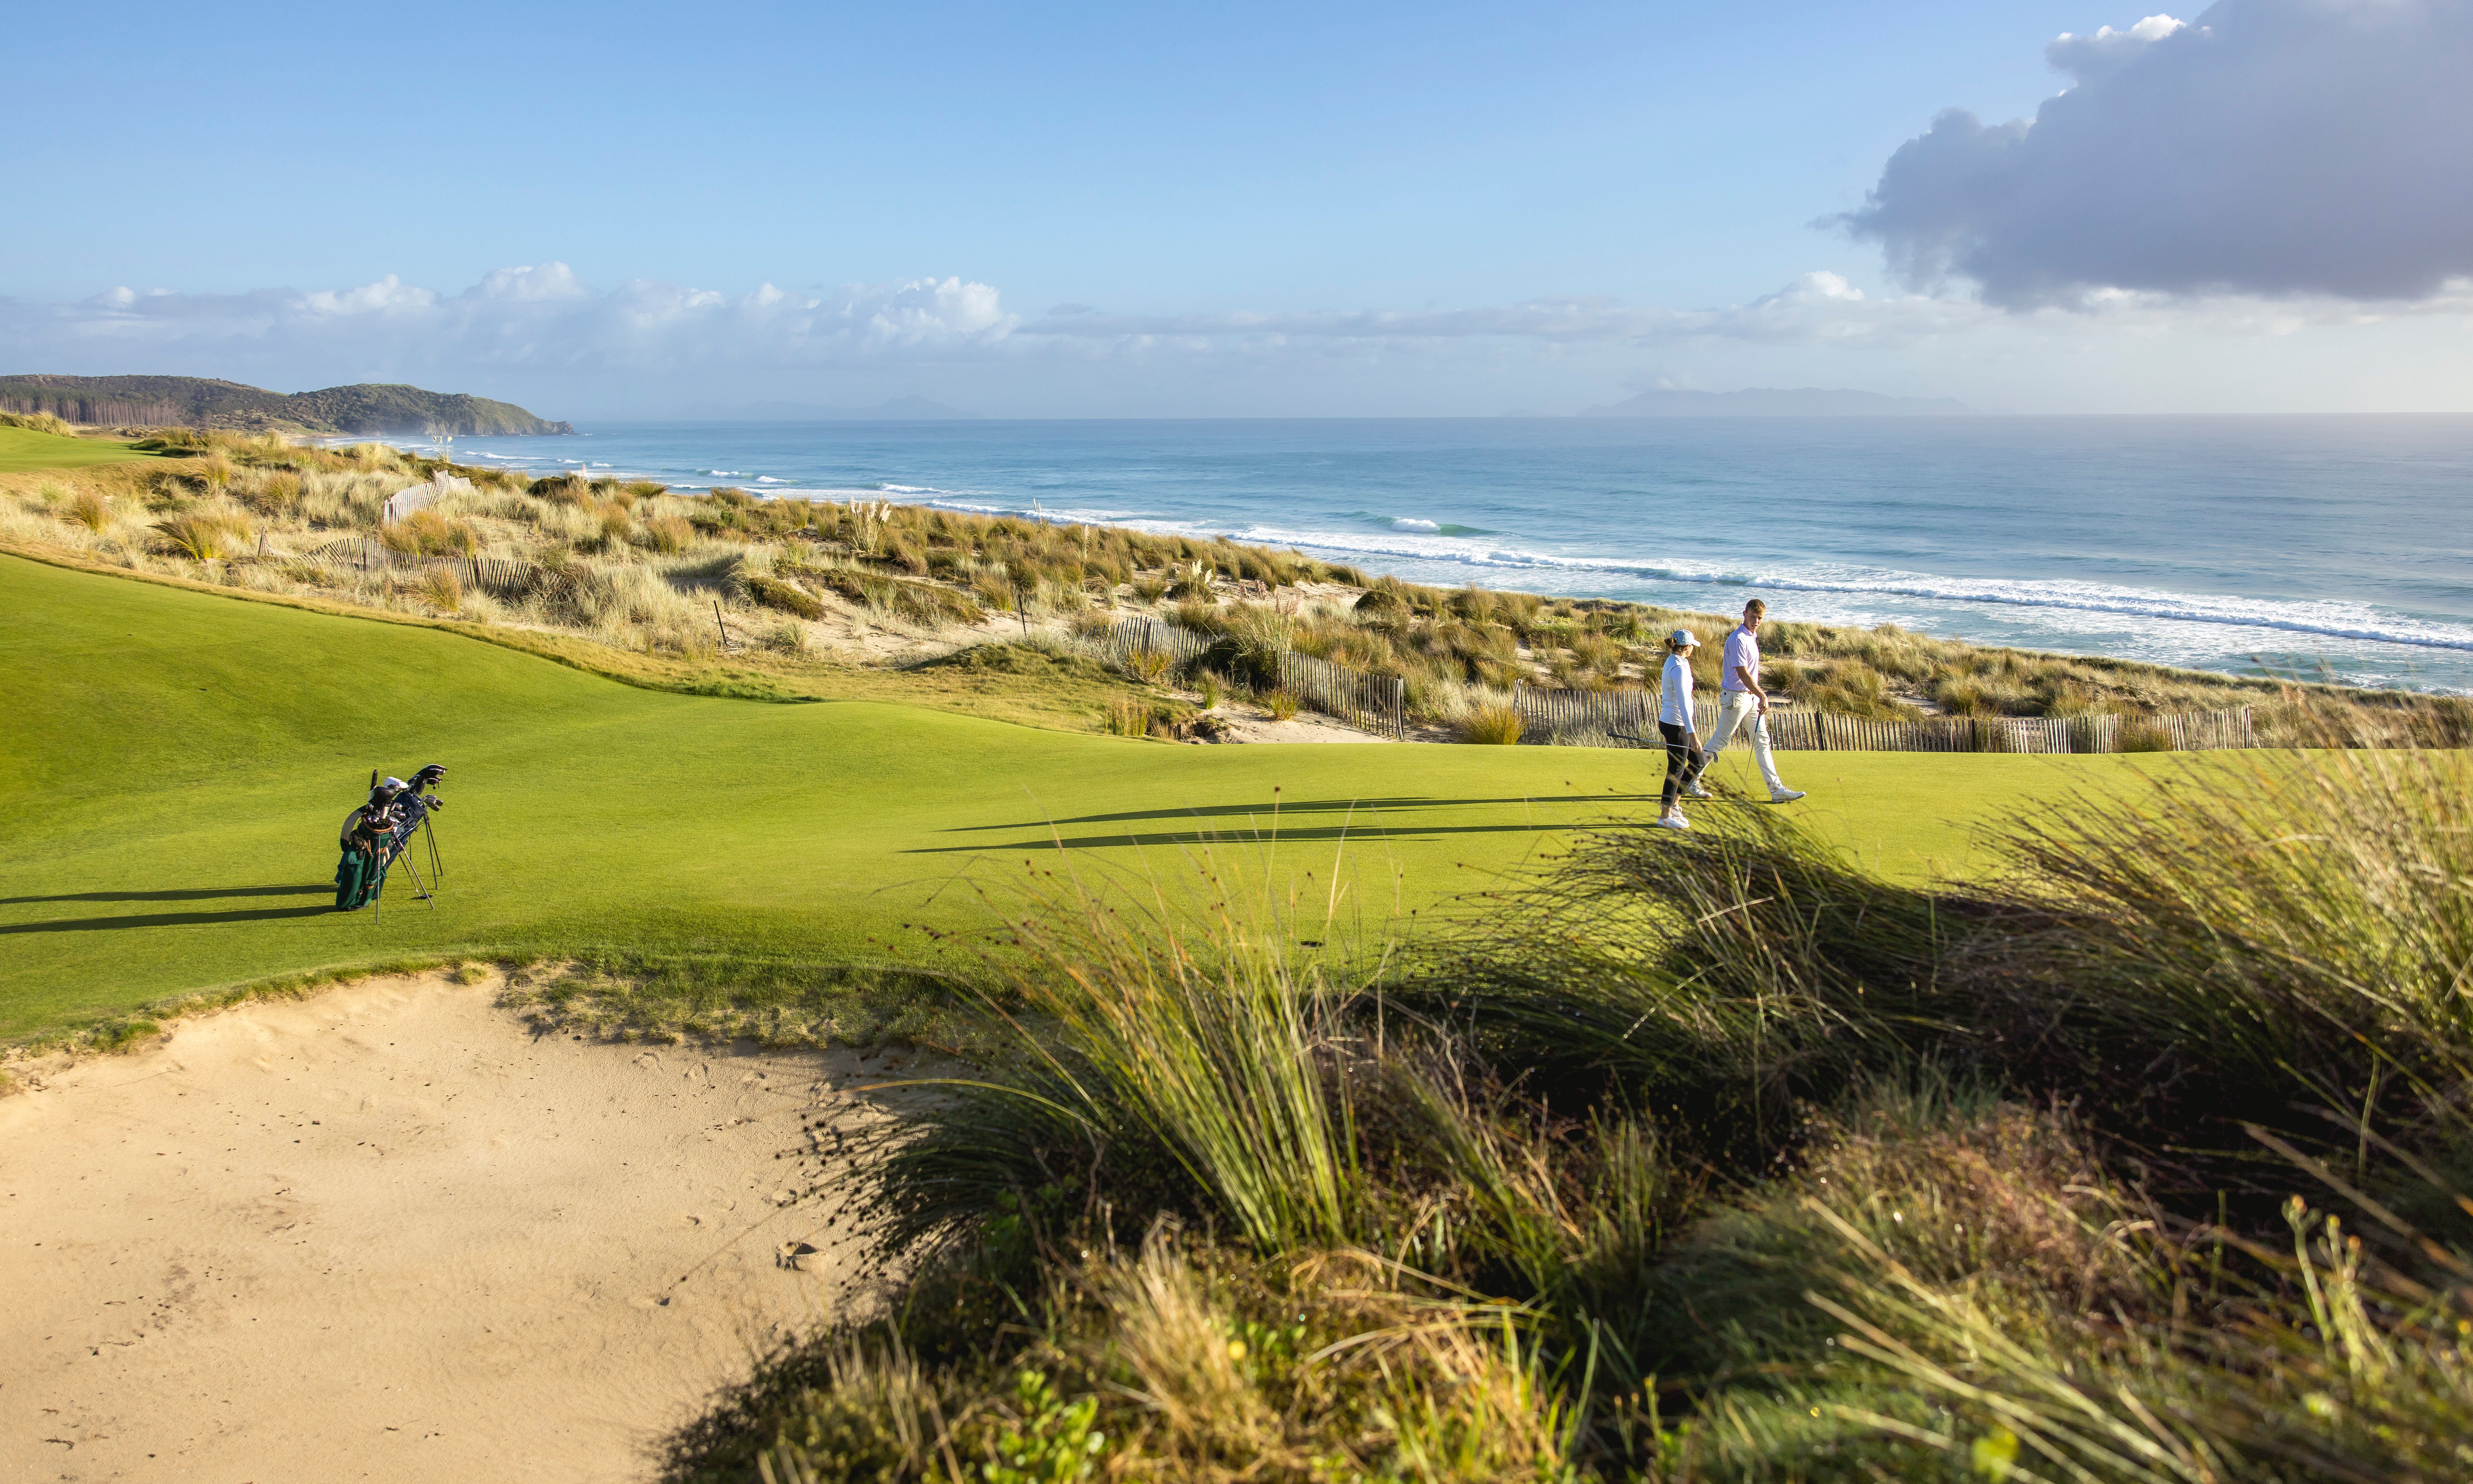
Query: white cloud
point(2269, 146)
point(2107, 51)
point(513, 317)
point(539, 336)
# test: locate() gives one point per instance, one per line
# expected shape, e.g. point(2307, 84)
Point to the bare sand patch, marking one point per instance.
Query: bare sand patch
point(392, 1233)
point(1253, 724)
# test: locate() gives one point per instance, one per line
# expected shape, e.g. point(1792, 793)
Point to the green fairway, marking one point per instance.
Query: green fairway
point(23, 448)
point(173, 766)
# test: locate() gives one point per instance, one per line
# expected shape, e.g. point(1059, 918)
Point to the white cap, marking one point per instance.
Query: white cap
point(1682, 636)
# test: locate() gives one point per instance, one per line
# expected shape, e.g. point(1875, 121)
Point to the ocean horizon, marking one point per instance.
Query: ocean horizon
point(2317, 547)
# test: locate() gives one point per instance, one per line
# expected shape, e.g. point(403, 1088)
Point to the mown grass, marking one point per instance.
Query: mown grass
point(24, 448)
point(1710, 1157)
point(175, 764)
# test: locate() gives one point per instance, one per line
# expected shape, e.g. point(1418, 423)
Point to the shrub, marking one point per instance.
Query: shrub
point(1150, 589)
point(1281, 704)
point(1150, 666)
point(425, 532)
point(89, 509)
point(1190, 581)
point(199, 536)
point(562, 489)
point(787, 596)
point(273, 493)
point(1492, 724)
point(992, 591)
point(665, 534)
point(443, 589)
point(1128, 716)
point(787, 638)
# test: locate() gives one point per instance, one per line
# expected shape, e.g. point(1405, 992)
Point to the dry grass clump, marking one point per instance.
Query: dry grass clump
point(443, 589)
point(1491, 726)
point(426, 533)
point(88, 508)
point(203, 536)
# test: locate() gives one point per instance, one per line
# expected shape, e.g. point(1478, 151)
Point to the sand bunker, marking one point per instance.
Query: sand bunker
point(390, 1232)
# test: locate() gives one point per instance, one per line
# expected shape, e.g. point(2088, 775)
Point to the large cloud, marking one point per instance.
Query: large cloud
point(2270, 147)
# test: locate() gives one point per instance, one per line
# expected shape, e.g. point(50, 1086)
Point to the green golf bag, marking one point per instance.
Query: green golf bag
point(367, 852)
point(377, 832)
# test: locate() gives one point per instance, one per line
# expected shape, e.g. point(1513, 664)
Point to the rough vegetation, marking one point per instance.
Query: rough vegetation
point(794, 584)
point(1706, 1158)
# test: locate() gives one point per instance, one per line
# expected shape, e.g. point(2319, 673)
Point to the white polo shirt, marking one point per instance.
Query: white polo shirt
point(1675, 695)
point(1744, 651)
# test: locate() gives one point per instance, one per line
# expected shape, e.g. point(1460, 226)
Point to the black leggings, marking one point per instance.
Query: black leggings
point(1683, 760)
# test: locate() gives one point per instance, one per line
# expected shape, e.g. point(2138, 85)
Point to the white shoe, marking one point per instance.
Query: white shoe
point(1694, 790)
point(1785, 795)
point(1673, 820)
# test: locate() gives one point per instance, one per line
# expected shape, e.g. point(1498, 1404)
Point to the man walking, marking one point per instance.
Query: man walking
point(1743, 706)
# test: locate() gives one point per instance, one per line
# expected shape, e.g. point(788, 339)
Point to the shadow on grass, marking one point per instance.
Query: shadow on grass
point(1361, 818)
point(201, 894)
point(165, 919)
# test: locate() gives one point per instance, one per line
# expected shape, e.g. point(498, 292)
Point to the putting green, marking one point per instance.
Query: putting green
point(24, 448)
point(173, 765)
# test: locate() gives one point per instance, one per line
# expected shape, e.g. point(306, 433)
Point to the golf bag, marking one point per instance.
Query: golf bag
point(377, 832)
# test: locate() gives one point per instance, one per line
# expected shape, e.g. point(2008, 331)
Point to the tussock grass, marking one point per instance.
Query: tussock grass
point(201, 536)
point(1491, 726)
point(90, 509)
point(1715, 1157)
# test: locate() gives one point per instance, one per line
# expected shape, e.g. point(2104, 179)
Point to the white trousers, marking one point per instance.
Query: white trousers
point(1737, 711)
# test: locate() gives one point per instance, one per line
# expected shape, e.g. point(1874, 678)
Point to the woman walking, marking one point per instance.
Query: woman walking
point(1684, 758)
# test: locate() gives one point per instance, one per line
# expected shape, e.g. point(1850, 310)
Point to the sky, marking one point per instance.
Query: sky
point(1147, 210)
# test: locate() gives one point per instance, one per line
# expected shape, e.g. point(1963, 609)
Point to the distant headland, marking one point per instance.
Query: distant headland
point(198, 402)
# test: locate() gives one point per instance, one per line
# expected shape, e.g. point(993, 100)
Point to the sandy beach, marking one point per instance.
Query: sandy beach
point(391, 1232)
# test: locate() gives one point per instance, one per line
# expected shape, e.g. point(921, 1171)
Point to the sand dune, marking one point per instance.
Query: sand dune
point(389, 1232)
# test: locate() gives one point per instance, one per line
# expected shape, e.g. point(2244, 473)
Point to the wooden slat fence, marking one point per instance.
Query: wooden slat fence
point(1131, 636)
point(1615, 717)
point(1370, 703)
point(498, 576)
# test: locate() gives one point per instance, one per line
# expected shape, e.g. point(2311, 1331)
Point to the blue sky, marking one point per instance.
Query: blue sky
point(1201, 191)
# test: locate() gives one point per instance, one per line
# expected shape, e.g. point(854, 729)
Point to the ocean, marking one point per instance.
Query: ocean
point(2325, 549)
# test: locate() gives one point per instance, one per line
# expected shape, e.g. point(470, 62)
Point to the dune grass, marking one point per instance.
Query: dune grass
point(175, 764)
point(1713, 1159)
point(25, 448)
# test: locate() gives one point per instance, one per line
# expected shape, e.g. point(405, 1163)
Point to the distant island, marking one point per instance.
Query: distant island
point(1778, 402)
point(198, 402)
point(901, 409)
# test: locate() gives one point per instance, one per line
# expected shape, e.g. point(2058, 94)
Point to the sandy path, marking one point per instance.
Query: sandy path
point(388, 1233)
